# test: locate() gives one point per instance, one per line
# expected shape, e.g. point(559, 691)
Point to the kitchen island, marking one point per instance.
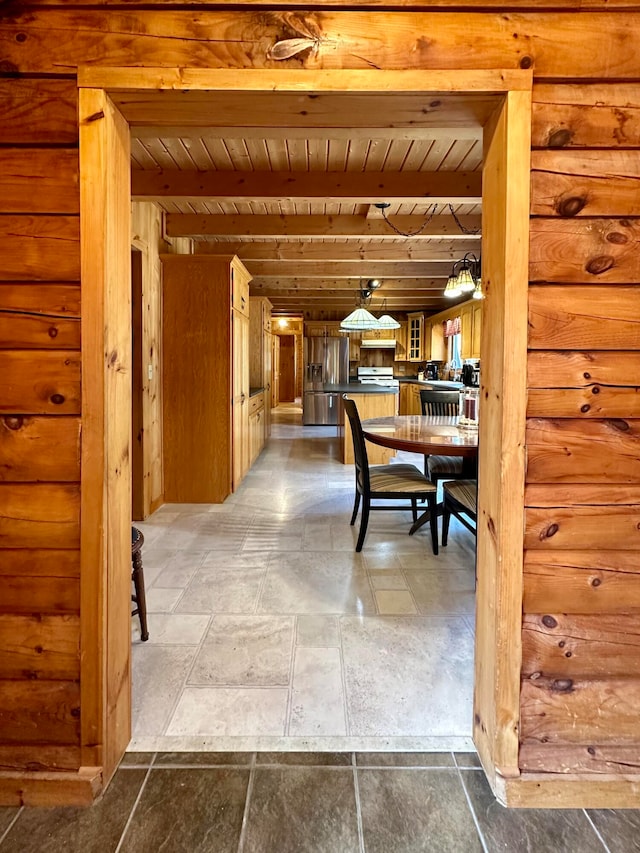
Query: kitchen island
point(372, 401)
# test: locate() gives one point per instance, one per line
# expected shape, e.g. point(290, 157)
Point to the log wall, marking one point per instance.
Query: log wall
point(580, 669)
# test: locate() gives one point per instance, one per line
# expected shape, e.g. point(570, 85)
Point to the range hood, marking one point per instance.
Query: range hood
point(372, 343)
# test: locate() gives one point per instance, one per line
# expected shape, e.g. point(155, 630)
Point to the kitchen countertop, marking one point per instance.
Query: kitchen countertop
point(436, 384)
point(358, 388)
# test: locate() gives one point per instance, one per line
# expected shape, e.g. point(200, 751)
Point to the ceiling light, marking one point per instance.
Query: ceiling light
point(452, 290)
point(387, 322)
point(359, 320)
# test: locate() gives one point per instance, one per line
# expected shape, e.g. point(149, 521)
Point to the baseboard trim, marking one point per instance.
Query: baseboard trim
point(70, 788)
point(575, 791)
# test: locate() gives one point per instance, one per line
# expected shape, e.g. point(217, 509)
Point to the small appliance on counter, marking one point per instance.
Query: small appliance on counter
point(471, 374)
point(432, 371)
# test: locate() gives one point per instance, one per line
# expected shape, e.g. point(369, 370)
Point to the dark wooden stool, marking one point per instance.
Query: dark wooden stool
point(137, 541)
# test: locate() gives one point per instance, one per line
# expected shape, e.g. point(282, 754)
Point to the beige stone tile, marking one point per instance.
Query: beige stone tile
point(395, 603)
point(320, 631)
point(317, 696)
point(387, 579)
point(230, 711)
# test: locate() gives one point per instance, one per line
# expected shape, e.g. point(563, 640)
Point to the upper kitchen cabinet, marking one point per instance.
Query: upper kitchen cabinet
point(470, 314)
point(476, 330)
point(415, 334)
point(327, 329)
point(466, 326)
point(401, 342)
point(206, 376)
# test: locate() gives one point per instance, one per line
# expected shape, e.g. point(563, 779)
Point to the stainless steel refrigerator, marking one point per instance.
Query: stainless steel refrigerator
point(326, 362)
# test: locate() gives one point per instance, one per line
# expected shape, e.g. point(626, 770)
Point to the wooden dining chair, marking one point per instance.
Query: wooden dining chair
point(460, 499)
point(442, 403)
point(386, 482)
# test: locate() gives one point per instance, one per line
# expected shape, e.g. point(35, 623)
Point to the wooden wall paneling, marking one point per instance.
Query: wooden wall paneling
point(581, 494)
point(530, 40)
point(593, 251)
point(585, 183)
point(596, 402)
point(580, 369)
point(39, 180)
point(47, 594)
point(106, 417)
point(562, 645)
point(579, 758)
point(583, 451)
point(502, 428)
point(38, 111)
point(39, 758)
point(39, 248)
point(591, 318)
point(598, 527)
point(39, 712)
point(585, 581)
point(59, 300)
point(146, 230)
point(607, 710)
point(572, 115)
point(39, 382)
point(37, 449)
point(40, 647)
point(39, 515)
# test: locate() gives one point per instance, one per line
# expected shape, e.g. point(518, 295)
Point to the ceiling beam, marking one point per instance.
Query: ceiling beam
point(350, 269)
point(262, 286)
point(436, 250)
point(436, 187)
point(267, 226)
point(211, 134)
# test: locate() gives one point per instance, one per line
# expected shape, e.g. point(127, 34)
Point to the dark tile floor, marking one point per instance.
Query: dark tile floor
point(303, 802)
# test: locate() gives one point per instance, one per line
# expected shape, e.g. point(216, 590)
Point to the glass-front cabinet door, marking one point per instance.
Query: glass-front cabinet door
point(414, 335)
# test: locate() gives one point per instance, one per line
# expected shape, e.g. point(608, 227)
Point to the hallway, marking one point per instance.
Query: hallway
point(268, 632)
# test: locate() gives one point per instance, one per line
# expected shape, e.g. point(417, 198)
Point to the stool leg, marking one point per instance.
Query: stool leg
point(138, 582)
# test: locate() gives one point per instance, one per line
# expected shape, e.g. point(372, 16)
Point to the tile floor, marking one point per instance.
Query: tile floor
point(309, 803)
point(268, 631)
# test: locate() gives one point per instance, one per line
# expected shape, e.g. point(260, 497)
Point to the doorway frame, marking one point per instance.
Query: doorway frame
point(106, 399)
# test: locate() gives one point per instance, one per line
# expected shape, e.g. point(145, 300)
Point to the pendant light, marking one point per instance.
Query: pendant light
point(362, 320)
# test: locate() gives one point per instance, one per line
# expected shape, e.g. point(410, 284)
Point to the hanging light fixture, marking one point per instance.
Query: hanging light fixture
point(386, 321)
point(361, 320)
point(465, 278)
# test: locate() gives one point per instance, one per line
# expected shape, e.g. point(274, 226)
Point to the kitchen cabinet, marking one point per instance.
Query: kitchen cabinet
point(257, 410)
point(206, 376)
point(401, 342)
point(260, 352)
point(415, 328)
point(354, 346)
point(476, 331)
point(370, 405)
point(326, 329)
point(410, 399)
point(466, 325)
point(378, 335)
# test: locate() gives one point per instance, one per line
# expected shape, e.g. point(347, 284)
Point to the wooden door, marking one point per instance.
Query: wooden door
point(275, 370)
point(287, 368)
point(240, 380)
point(267, 347)
point(137, 383)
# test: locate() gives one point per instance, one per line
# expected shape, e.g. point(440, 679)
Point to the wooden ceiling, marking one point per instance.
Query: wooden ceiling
point(297, 202)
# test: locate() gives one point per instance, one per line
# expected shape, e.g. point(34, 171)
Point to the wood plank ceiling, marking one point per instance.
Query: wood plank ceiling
point(296, 204)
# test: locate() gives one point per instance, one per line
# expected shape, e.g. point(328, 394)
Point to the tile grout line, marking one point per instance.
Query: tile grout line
point(11, 824)
point(356, 788)
point(597, 831)
point(135, 804)
point(290, 686)
point(343, 676)
point(471, 809)
point(247, 799)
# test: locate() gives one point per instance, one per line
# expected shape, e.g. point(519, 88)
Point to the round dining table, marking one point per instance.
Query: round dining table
point(431, 435)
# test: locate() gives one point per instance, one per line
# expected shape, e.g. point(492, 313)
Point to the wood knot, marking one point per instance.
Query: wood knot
point(57, 399)
point(619, 424)
point(21, 38)
point(559, 138)
point(591, 750)
point(585, 408)
point(38, 650)
point(571, 206)
point(562, 685)
point(95, 116)
point(53, 332)
point(587, 375)
point(75, 712)
point(476, 718)
point(595, 390)
point(617, 238)
point(535, 676)
point(13, 422)
point(599, 265)
point(526, 62)
point(596, 582)
point(549, 622)
point(551, 530)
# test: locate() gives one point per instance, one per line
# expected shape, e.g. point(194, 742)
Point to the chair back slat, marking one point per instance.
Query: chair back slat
point(441, 403)
point(359, 444)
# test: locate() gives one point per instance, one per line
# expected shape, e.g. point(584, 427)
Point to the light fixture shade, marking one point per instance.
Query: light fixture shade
point(387, 322)
point(477, 293)
point(452, 289)
point(359, 321)
point(465, 280)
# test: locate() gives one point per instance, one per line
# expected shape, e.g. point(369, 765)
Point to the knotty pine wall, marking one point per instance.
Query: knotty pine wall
point(580, 674)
